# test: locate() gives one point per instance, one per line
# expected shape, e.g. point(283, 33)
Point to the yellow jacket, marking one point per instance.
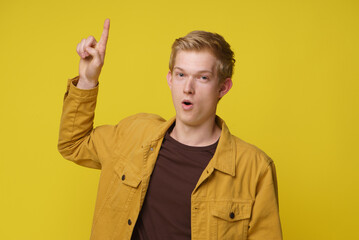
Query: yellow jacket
point(235, 198)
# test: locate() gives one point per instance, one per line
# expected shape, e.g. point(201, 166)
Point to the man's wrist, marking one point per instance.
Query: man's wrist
point(86, 84)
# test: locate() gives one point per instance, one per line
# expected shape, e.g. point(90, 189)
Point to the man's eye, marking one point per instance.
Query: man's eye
point(181, 74)
point(204, 78)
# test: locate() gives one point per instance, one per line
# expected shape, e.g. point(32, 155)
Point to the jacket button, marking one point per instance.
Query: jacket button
point(231, 215)
point(129, 222)
point(123, 177)
point(151, 149)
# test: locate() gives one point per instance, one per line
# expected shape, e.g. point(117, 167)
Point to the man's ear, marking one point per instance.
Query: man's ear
point(225, 87)
point(169, 79)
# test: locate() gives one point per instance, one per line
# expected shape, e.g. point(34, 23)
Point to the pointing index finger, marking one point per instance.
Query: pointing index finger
point(104, 36)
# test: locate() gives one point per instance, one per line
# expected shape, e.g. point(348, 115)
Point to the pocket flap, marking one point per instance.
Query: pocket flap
point(129, 177)
point(232, 210)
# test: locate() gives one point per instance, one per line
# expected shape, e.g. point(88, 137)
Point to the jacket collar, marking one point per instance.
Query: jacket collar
point(224, 157)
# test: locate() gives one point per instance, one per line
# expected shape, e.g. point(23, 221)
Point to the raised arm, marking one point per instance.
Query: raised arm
point(78, 140)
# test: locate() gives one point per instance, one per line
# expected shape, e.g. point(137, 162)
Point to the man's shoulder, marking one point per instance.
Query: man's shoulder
point(140, 121)
point(140, 118)
point(250, 152)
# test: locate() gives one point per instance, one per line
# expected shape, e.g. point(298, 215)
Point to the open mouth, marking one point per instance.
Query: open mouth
point(187, 104)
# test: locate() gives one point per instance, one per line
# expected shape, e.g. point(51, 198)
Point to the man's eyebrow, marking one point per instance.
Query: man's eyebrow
point(202, 71)
point(178, 68)
point(205, 71)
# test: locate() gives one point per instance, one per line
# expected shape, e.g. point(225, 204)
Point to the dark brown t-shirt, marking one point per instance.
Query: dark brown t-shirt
point(166, 212)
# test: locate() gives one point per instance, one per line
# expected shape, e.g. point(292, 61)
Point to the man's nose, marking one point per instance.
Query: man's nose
point(189, 86)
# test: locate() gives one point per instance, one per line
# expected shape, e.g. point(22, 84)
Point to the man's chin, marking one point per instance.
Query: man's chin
point(190, 121)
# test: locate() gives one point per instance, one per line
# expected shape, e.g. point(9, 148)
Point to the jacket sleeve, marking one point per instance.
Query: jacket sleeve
point(265, 222)
point(78, 140)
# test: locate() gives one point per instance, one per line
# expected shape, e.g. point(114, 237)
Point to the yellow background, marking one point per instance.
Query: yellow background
point(295, 96)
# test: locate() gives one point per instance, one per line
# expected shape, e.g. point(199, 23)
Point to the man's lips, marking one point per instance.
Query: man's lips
point(187, 105)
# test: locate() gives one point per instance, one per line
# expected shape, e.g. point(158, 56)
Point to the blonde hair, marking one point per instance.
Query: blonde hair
point(215, 43)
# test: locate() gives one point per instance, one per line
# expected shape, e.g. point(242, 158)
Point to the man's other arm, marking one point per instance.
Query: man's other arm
point(265, 222)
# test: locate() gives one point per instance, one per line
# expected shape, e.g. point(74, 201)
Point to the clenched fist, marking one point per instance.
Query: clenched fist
point(92, 56)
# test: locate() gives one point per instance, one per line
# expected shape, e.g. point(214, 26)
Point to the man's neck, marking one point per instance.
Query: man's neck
point(203, 135)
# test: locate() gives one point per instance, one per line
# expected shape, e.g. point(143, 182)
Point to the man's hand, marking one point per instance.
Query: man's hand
point(92, 56)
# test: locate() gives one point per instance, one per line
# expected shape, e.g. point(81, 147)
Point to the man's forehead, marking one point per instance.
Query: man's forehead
point(200, 61)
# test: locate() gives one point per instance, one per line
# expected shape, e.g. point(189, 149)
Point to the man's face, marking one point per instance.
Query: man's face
point(195, 87)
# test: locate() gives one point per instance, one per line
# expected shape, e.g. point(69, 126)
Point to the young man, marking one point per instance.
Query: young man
point(185, 178)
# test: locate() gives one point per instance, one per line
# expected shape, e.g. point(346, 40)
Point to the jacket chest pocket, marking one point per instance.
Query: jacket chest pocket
point(230, 219)
point(125, 184)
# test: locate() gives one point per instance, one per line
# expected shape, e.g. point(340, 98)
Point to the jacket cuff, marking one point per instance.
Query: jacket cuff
point(77, 92)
